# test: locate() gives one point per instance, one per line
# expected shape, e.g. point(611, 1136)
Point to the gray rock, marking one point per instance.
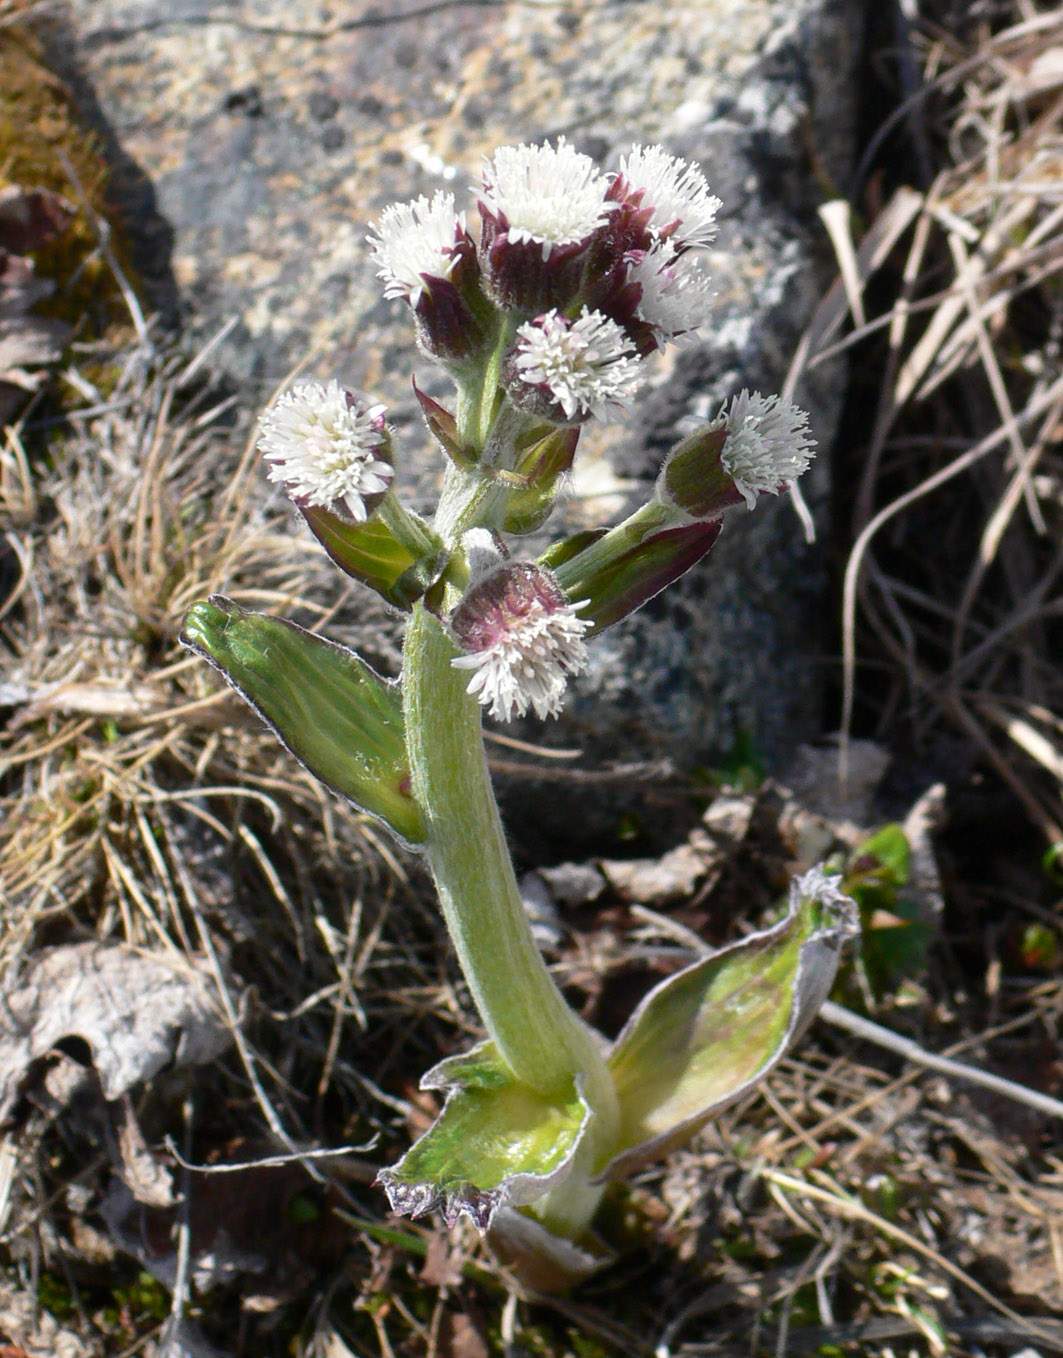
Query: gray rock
point(273, 133)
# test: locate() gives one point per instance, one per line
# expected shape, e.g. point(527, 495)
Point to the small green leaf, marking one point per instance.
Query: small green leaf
point(373, 554)
point(703, 1038)
point(335, 714)
point(895, 939)
point(564, 550)
point(497, 1142)
point(1039, 947)
point(626, 567)
point(444, 428)
point(886, 856)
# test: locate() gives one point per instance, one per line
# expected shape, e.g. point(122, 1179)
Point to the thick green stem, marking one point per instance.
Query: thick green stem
point(542, 1040)
point(544, 1043)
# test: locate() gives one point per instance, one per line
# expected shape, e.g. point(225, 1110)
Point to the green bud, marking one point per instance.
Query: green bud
point(541, 465)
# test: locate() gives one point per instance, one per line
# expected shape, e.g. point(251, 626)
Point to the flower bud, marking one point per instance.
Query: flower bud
point(521, 638)
point(674, 291)
point(543, 212)
point(760, 444)
point(670, 197)
point(426, 256)
point(570, 371)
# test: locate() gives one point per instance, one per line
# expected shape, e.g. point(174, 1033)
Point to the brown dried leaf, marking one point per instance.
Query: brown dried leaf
point(147, 1178)
point(137, 1012)
point(26, 342)
point(657, 881)
point(28, 1330)
point(460, 1337)
point(20, 287)
point(442, 1261)
point(29, 218)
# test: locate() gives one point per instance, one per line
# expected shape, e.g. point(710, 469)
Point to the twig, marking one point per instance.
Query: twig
point(270, 1161)
point(841, 1017)
point(171, 1336)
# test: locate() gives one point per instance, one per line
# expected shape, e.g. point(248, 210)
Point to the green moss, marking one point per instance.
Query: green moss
point(55, 1297)
point(42, 139)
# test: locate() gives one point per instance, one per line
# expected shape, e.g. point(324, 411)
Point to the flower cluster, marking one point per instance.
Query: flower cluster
point(559, 242)
point(545, 319)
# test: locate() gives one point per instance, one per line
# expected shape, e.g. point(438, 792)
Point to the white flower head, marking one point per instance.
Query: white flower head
point(413, 239)
point(768, 444)
point(676, 290)
point(522, 640)
point(552, 195)
point(587, 366)
point(677, 192)
point(326, 447)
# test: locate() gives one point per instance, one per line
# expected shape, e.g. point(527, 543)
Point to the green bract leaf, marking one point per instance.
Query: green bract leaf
point(694, 479)
point(335, 714)
point(371, 552)
point(541, 465)
point(703, 1038)
point(444, 428)
point(620, 571)
point(496, 1143)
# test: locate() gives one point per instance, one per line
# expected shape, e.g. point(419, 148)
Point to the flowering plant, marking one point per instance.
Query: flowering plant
point(545, 321)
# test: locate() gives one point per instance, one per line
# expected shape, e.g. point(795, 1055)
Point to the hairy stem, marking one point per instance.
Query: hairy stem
point(542, 1040)
point(544, 1043)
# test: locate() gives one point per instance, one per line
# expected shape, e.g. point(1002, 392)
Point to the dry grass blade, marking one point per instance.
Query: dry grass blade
point(971, 364)
point(848, 1207)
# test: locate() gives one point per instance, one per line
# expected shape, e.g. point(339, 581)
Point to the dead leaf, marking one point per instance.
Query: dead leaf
point(459, 1337)
point(30, 218)
point(658, 881)
point(138, 1013)
point(442, 1261)
point(147, 1234)
point(813, 778)
point(20, 288)
point(147, 1178)
point(29, 1331)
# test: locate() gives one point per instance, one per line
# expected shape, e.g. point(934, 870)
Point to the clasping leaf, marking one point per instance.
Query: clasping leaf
point(497, 1142)
point(704, 1037)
